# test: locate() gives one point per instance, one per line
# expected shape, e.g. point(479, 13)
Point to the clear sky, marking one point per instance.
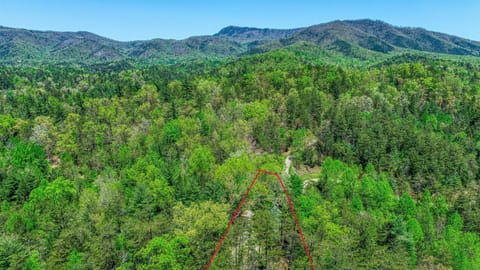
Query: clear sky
point(146, 19)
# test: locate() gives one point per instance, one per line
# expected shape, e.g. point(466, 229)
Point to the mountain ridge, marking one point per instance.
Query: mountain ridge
point(352, 38)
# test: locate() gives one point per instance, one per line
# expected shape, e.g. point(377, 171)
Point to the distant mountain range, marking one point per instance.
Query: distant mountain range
point(358, 38)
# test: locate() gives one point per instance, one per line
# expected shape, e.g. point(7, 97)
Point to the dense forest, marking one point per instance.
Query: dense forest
point(107, 167)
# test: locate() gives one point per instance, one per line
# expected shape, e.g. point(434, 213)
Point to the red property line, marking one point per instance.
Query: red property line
point(237, 211)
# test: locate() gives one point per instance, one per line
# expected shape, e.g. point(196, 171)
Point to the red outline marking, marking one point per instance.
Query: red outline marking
point(237, 211)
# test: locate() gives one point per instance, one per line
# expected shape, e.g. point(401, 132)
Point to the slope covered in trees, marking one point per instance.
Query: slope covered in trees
point(140, 168)
point(364, 40)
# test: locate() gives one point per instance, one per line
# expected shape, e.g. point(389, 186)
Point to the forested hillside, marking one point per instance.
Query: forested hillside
point(141, 168)
point(365, 41)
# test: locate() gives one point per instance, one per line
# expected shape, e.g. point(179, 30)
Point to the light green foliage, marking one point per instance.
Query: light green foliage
point(454, 245)
point(338, 180)
point(22, 168)
point(7, 123)
point(171, 133)
point(75, 261)
point(34, 263)
point(202, 223)
point(303, 146)
point(164, 253)
point(377, 193)
point(357, 203)
point(200, 164)
point(234, 174)
point(407, 206)
point(68, 141)
point(258, 110)
point(44, 133)
point(296, 185)
point(51, 203)
point(204, 92)
point(149, 192)
point(54, 195)
point(414, 230)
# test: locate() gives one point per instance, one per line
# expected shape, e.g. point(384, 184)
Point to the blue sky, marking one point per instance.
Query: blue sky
point(146, 19)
